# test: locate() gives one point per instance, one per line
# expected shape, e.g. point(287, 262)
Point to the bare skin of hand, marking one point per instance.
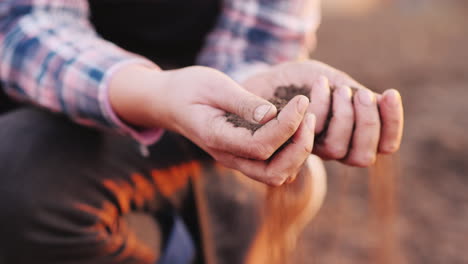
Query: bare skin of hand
point(361, 125)
point(193, 101)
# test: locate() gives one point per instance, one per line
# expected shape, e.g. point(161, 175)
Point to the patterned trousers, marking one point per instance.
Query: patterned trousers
point(70, 194)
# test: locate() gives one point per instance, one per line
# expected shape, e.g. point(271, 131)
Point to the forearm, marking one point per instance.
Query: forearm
point(51, 56)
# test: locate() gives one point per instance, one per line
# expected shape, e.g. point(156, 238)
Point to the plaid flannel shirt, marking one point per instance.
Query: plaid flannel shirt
point(51, 56)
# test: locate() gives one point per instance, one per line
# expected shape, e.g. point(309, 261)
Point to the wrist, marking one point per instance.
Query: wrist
point(130, 94)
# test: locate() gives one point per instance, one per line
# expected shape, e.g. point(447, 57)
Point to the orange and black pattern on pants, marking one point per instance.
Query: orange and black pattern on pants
point(65, 192)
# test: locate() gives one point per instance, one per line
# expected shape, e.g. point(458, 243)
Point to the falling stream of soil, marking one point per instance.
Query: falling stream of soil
point(284, 204)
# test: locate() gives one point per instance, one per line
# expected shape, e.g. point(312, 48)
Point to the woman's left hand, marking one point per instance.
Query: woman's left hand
point(361, 123)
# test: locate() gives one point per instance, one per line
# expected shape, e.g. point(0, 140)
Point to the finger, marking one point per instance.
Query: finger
point(266, 140)
point(292, 157)
point(391, 112)
point(285, 164)
point(237, 100)
point(367, 132)
point(320, 102)
point(334, 143)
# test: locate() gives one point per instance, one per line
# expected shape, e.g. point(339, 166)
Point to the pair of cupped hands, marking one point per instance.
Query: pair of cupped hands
point(193, 101)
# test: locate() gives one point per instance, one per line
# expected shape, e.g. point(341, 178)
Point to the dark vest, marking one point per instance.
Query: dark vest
point(169, 32)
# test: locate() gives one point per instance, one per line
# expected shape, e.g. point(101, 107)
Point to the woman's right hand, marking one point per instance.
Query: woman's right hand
point(193, 101)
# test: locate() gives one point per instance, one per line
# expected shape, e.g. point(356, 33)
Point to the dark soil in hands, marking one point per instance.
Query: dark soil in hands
point(282, 95)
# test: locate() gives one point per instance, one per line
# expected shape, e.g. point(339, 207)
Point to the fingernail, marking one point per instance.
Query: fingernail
point(393, 97)
point(391, 147)
point(260, 112)
point(310, 122)
point(366, 97)
point(345, 92)
point(290, 180)
point(302, 103)
point(322, 81)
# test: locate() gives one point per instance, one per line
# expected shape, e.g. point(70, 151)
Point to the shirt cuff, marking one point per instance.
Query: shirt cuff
point(145, 136)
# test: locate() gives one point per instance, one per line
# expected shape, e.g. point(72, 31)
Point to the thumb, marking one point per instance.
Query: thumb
point(237, 100)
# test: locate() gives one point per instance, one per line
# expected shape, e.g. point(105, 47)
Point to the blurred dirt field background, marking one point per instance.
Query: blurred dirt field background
point(421, 48)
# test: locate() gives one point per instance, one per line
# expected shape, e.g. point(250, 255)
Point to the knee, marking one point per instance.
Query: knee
point(307, 191)
point(32, 181)
point(36, 142)
point(17, 210)
point(29, 130)
point(27, 124)
point(317, 176)
point(31, 163)
point(36, 228)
